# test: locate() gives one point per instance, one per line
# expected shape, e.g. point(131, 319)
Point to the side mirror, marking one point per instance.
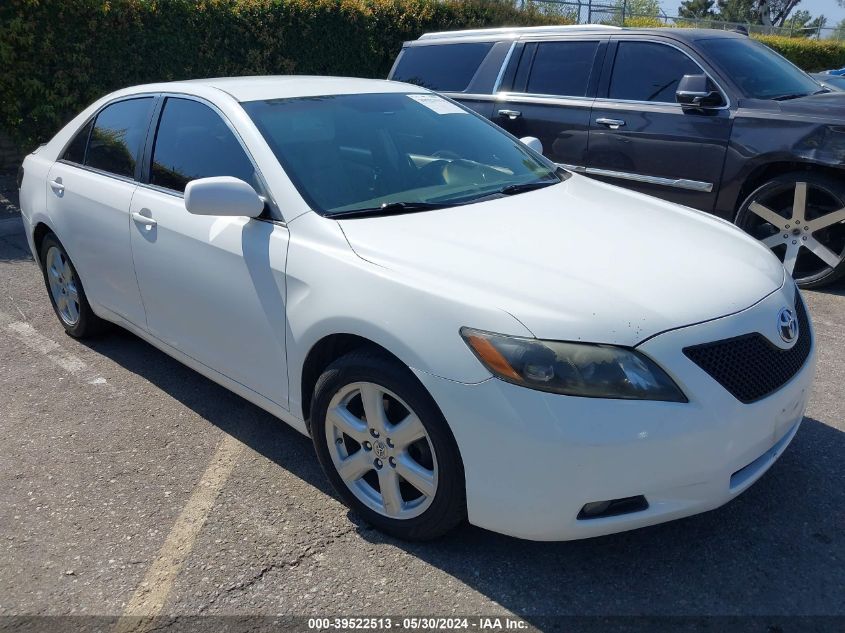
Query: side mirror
point(222, 196)
point(695, 91)
point(533, 142)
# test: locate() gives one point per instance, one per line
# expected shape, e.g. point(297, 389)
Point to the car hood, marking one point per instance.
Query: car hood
point(581, 260)
point(830, 105)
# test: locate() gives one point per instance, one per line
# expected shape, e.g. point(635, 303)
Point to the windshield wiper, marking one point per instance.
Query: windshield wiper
point(526, 186)
point(389, 208)
point(796, 95)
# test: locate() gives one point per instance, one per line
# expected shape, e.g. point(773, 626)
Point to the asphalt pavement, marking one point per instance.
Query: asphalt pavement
point(129, 484)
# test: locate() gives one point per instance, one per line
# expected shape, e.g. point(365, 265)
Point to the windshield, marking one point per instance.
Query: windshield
point(393, 152)
point(758, 71)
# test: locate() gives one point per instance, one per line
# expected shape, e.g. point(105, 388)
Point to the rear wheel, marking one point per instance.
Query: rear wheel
point(801, 217)
point(386, 448)
point(66, 292)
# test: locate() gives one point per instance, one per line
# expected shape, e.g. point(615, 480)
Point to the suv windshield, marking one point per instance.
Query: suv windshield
point(393, 153)
point(758, 71)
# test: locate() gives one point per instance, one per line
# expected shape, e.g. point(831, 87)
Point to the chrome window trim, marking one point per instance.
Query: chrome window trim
point(505, 62)
point(98, 172)
point(679, 183)
point(529, 97)
point(618, 39)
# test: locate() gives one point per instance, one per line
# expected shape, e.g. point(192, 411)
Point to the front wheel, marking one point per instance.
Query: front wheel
point(801, 217)
point(386, 448)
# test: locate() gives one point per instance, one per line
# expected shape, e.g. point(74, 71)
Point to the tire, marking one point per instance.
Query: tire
point(800, 216)
point(65, 290)
point(432, 461)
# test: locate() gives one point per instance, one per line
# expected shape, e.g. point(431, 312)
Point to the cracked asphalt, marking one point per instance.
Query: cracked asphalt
point(105, 444)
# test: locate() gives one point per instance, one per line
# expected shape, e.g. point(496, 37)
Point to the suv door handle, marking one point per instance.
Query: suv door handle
point(511, 114)
point(140, 218)
point(57, 186)
point(613, 124)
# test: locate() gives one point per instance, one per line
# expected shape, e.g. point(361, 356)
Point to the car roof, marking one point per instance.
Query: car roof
point(260, 88)
point(512, 33)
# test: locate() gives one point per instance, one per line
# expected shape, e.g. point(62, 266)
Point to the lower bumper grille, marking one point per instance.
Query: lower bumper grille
point(750, 367)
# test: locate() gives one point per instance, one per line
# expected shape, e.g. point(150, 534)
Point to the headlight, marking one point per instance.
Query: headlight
point(574, 369)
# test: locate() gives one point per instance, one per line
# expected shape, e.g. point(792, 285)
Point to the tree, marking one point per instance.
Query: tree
point(802, 23)
point(697, 9)
point(739, 11)
point(765, 12)
point(639, 8)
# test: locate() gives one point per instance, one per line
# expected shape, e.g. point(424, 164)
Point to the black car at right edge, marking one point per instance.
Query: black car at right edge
point(710, 119)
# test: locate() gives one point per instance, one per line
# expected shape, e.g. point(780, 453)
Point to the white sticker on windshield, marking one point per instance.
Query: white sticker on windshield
point(438, 104)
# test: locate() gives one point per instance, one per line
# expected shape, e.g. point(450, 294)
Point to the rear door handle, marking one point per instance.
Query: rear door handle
point(511, 114)
point(140, 218)
point(613, 124)
point(57, 186)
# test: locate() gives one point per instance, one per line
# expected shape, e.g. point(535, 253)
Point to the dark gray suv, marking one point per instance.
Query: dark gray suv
point(709, 119)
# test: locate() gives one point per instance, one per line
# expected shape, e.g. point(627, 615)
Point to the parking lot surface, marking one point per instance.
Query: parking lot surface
point(130, 484)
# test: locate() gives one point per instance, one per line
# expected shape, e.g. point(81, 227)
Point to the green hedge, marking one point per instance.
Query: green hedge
point(57, 56)
point(811, 55)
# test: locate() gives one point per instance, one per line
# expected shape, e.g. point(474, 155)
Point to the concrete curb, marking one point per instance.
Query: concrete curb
point(11, 226)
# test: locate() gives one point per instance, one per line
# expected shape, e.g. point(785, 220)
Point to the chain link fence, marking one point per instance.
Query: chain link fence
point(623, 13)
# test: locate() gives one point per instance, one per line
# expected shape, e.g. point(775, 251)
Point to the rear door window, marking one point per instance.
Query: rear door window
point(562, 68)
point(118, 136)
point(193, 142)
point(649, 71)
point(449, 67)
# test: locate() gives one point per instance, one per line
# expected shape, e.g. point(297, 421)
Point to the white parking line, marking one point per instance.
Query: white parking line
point(51, 350)
point(151, 595)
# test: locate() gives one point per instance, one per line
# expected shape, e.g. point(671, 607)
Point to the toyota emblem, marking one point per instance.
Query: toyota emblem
point(787, 325)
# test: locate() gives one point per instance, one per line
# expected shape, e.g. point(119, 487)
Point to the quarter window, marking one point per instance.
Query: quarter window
point(193, 142)
point(75, 152)
point(118, 136)
point(648, 71)
point(562, 68)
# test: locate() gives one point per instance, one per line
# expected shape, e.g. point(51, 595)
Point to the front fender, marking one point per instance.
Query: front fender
point(761, 139)
point(330, 290)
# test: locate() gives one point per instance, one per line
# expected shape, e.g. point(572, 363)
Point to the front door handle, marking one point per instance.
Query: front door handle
point(57, 187)
point(613, 124)
point(147, 221)
point(511, 114)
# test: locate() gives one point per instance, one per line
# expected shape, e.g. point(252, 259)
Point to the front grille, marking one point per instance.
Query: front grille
point(750, 367)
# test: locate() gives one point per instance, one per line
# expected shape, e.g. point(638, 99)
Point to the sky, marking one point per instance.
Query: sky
point(831, 10)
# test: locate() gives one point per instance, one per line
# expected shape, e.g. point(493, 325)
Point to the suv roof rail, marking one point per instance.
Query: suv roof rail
point(518, 30)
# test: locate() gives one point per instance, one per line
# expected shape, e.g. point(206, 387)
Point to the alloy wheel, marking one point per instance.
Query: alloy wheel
point(803, 223)
point(63, 286)
point(381, 450)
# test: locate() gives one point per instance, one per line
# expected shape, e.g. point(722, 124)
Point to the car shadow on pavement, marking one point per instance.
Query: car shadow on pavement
point(775, 550)
point(244, 421)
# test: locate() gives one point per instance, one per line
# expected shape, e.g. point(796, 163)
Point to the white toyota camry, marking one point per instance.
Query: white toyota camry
point(464, 329)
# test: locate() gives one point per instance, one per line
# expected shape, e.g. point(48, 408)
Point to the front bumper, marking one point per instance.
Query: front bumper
point(533, 460)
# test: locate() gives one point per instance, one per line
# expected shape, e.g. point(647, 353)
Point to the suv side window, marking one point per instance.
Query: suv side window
point(562, 68)
point(192, 141)
point(118, 136)
point(649, 71)
point(448, 68)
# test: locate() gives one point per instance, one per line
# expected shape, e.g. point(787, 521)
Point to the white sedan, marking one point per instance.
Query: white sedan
point(463, 328)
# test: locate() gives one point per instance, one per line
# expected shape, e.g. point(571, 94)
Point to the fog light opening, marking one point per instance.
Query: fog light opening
point(612, 507)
